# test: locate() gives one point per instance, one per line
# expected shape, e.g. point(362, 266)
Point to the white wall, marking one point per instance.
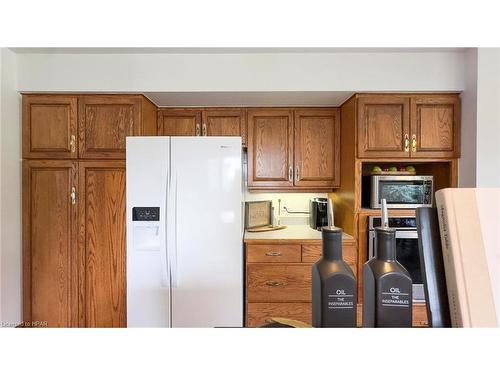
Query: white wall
point(292, 201)
point(488, 118)
point(467, 163)
point(10, 190)
point(356, 71)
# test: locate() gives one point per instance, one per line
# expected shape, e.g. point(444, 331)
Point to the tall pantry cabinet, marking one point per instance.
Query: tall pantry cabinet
point(74, 214)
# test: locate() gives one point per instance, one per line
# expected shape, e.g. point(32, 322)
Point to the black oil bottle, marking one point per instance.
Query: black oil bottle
point(387, 286)
point(334, 296)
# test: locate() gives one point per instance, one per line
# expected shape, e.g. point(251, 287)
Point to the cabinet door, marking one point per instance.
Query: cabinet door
point(49, 126)
point(102, 243)
point(105, 121)
point(50, 294)
point(383, 126)
point(317, 148)
point(435, 126)
point(179, 122)
point(225, 122)
point(270, 148)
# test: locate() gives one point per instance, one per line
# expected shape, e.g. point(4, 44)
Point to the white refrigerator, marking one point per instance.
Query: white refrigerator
point(184, 232)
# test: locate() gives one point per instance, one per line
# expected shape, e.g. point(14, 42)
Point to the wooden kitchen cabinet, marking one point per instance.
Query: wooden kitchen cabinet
point(317, 148)
point(102, 243)
point(50, 126)
point(202, 122)
point(278, 278)
point(294, 149)
point(105, 121)
point(383, 126)
point(84, 126)
point(179, 122)
point(270, 148)
point(74, 221)
point(50, 272)
point(224, 122)
point(408, 126)
point(435, 126)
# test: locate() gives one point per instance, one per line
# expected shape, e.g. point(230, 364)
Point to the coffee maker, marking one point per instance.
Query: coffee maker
point(318, 210)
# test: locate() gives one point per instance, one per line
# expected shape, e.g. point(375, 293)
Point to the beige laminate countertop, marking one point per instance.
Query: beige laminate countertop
point(291, 232)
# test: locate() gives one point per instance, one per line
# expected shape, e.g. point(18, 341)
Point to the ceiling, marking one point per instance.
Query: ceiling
point(248, 99)
point(226, 50)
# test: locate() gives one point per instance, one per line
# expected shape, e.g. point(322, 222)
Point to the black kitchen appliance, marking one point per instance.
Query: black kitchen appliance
point(318, 208)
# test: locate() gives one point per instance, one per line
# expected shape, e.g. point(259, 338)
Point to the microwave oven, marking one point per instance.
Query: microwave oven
point(401, 191)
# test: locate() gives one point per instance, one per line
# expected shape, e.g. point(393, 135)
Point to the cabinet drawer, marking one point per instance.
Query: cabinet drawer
point(278, 283)
point(273, 253)
point(420, 315)
point(260, 313)
point(311, 253)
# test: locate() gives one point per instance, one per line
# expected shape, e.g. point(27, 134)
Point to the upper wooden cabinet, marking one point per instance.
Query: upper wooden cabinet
point(104, 124)
point(317, 148)
point(270, 148)
point(85, 126)
point(435, 126)
point(408, 126)
point(179, 122)
point(50, 126)
point(293, 150)
point(225, 122)
point(202, 122)
point(383, 126)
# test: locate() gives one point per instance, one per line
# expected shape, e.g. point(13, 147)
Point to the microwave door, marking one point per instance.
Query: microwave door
point(401, 194)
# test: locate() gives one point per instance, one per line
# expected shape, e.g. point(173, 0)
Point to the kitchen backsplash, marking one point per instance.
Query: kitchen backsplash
point(292, 202)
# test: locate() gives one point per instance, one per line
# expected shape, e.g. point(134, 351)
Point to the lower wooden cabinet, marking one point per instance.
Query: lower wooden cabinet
point(278, 281)
point(50, 272)
point(259, 313)
point(102, 243)
point(278, 278)
point(74, 243)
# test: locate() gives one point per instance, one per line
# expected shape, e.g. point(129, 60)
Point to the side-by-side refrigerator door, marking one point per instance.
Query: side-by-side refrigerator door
point(148, 277)
point(206, 253)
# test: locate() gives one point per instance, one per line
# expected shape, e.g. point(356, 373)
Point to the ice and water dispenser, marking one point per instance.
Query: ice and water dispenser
point(146, 228)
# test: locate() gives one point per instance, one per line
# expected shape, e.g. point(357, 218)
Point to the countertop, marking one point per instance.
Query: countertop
point(291, 232)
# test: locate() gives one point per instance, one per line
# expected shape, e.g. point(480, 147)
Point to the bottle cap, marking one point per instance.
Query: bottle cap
point(384, 226)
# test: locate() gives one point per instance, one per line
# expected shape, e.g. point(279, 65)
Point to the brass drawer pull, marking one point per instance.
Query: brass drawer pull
point(407, 143)
point(273, 254)
point(274, 283)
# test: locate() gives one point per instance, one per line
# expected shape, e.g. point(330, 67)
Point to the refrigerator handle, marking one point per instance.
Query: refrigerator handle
point(173, 250)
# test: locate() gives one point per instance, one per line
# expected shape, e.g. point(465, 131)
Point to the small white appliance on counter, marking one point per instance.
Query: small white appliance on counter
point(184, 232)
